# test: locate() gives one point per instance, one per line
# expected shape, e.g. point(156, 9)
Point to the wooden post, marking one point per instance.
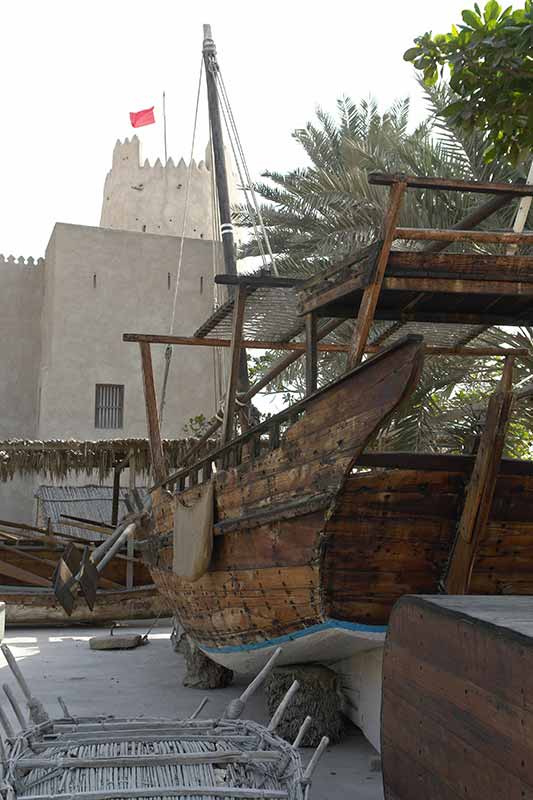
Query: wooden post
point(367, 308)
point(152, 416)
point(130, 544)
point(235, 357)
point(480, 491)
point(311, 363)
point(116, 496)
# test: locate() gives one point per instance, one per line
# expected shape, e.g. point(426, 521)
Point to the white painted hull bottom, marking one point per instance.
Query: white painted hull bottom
point(355, 652)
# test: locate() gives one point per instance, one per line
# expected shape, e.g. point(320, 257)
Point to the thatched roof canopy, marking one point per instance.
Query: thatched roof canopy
point(57, 458)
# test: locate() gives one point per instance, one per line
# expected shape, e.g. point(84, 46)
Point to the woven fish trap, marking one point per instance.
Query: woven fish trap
point(100, 758)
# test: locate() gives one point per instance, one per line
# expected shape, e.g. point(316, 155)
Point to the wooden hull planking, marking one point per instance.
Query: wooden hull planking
point(456, 720)
point(40, 607)
point(265, 582)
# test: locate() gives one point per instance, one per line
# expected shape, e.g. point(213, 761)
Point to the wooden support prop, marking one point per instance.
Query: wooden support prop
point(450, 185)
point(152, 416)
point(480, 491)
point(311, 363)
point(491, 237)
point(130, 543)
point(367, 308)
point(116, 496)
point(235, 358)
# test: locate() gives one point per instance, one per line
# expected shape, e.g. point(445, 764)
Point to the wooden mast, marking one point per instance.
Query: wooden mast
point(238, 380)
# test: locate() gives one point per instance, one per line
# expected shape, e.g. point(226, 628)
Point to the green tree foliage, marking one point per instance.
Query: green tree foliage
point(326, 210)
point(490, 61)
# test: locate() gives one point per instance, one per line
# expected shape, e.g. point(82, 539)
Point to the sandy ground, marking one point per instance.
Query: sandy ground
point(148, 680)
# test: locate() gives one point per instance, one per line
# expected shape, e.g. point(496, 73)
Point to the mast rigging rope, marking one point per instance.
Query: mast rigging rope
point(168, 349)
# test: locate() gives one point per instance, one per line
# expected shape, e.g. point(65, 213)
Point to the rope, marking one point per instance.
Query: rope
point(249, 185)
point(168, 349)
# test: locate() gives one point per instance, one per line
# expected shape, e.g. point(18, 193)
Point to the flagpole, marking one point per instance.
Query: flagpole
point(165, 126)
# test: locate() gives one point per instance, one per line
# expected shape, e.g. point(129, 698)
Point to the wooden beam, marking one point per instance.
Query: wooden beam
point(100, 527)
point(259, 281)
point(311, 361)
point(235, 357)
point(492, 237)
point(438, 462)
point(152, 416)
point(480, 490)
point(450, 184)
point(369, 302)
point(299, 348)
point(116, 496)
point(23, 575)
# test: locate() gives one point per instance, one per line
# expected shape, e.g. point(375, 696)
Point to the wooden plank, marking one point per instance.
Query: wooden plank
point(274, 513)
point(463, 265)
point(457, 679)
point(311, 363)
point(450, 185)
point(371, 294)
point(438, 461)
point(152, 416)
point(235, 360)
point(452, 235)
point(23, 575)
point(259, 281)
point(480, 491)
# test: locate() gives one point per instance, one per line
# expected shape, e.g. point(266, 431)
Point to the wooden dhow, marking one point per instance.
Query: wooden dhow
point(314, 538)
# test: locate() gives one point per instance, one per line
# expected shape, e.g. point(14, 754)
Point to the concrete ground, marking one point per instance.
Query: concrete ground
point(148, 681)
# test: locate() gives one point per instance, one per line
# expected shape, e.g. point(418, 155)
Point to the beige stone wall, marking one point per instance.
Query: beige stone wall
point(100, 284)
point(21, 293)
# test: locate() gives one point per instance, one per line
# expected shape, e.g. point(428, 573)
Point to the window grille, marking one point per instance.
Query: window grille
point(109, 405)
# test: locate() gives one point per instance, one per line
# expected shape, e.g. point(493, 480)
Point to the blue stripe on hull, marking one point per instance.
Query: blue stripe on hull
point(289, 637)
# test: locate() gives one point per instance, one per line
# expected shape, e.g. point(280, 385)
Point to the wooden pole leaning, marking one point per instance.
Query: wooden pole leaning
point(311, 359)
point(235, 360)
point(480, 490)
point(131, 544)
point(152, 415)
point(370, 298)
point(116, 496)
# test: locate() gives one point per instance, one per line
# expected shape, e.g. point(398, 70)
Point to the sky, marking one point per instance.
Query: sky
point(72, 70)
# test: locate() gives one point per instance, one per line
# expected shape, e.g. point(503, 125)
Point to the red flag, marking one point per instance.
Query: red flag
point(144, 117)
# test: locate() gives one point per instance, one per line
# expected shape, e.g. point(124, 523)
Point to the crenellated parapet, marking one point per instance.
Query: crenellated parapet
point(21, 261)
point(151, 198)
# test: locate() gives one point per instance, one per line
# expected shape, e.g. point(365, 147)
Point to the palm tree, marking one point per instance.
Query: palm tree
point(327, 210)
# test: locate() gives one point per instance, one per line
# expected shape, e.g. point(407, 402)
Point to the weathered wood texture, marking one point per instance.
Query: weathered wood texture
point(152, 414)
point(492, 288)
point(265, 581)
point(367, 308)
point(393, 530)
point(450, 184)
point(40, 606)
point(235, 363)
point(456, 717)
point(26, 572)
point(478, 502)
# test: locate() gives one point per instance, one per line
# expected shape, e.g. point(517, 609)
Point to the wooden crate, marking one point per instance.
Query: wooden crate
point(457, 714)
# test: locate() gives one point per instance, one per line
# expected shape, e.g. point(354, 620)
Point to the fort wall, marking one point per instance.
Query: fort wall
point(151, 198)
